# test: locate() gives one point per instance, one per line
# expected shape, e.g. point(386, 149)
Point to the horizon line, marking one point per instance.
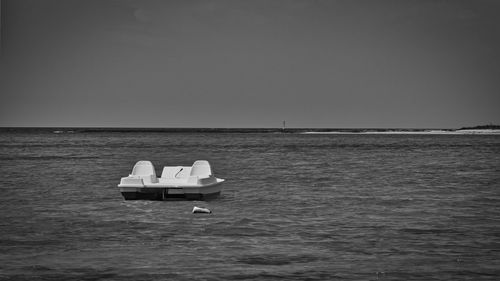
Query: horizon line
point(247, 128)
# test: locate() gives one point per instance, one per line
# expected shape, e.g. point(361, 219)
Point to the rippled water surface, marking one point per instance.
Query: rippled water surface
point(294, 207)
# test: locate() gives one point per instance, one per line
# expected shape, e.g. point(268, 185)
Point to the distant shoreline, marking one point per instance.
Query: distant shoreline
point(420, 132)
point(68, 130)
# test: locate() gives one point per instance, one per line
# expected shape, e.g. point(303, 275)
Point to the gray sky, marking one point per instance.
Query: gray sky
point(323, 63)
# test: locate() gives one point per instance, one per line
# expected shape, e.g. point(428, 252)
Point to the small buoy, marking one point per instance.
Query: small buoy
point(201, 210)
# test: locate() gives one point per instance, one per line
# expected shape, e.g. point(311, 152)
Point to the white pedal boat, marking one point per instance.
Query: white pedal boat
point(176, 182)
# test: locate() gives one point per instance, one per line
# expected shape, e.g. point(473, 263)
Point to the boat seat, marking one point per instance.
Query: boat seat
point(201, 168)
point(144, 170)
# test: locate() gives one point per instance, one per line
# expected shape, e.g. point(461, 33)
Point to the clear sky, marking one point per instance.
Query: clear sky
point(233, 63)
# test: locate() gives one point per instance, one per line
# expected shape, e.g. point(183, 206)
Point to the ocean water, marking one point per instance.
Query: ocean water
point(294, 207)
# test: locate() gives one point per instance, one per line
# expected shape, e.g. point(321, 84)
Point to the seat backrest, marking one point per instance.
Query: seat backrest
point(143, 168)
point(201, 168)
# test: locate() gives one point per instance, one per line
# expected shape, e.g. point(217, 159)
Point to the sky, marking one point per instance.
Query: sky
point(237, 64)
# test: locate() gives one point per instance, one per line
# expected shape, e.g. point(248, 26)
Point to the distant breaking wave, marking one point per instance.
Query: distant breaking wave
point(413, 132)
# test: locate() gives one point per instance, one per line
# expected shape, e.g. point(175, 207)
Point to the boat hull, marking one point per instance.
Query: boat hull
point(171, 193)
point(159, 196)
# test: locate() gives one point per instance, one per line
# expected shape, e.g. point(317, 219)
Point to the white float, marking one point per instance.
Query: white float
point(201, 210)
point(195, 182)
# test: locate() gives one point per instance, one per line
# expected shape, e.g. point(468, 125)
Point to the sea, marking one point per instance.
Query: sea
point(294, 206)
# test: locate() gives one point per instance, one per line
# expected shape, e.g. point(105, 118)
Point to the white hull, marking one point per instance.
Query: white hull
point(172, 193)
